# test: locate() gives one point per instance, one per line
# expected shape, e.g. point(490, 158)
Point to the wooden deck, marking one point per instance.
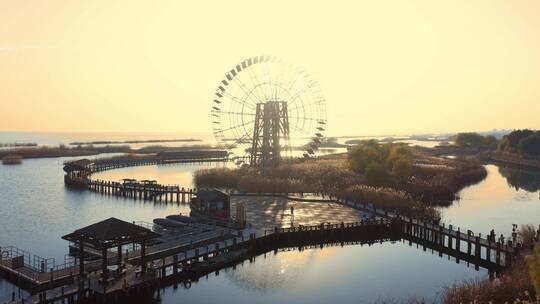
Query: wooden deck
point(175, 250)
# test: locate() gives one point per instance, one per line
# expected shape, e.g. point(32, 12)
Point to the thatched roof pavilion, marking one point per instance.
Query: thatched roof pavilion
point(107, 234)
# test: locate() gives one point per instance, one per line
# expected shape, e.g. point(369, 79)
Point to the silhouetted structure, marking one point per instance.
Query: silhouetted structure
point(110, 233)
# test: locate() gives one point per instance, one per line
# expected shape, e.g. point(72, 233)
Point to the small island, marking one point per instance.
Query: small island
point(12, 160)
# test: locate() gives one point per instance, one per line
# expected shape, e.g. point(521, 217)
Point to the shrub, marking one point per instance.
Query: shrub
point(510, 142)
point(530, 145)
point(533, 262)
point(402, 169)
point(377, 161)
point(363, 154)
point(376, 174)
point(527, 235)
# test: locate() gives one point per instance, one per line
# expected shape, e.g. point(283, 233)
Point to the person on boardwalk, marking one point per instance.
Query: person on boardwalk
point(492, 235)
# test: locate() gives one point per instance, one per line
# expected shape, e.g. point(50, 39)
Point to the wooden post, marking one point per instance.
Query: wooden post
point(104, 267)
point(498, 254)
point(183, 195)
point(143, 262)
point(441, 235)
point(450, 246)
point(508, 257)
point(175, 264)
point(81, 258)
point(477, 251)
point(119, 255)
point(458, 241)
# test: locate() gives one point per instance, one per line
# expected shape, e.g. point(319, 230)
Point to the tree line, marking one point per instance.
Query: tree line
point(524, 142)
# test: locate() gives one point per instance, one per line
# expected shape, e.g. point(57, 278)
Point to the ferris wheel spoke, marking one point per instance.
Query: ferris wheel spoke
point(238, 140)
point(266, 72)
point(304, 118)
point(246, 91)
point(235, 126)
point(293, 83)
point(299, 93)
point(236, 113)
point(280, 80)
point(256, 85)
point(238, 100)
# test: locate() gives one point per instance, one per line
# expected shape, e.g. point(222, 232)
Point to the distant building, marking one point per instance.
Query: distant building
point(211, 203)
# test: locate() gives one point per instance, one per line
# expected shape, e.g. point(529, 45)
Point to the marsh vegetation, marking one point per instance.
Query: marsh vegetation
point(391, 176)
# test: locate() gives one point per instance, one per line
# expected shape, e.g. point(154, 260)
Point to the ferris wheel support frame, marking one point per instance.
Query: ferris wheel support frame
point(271, 125)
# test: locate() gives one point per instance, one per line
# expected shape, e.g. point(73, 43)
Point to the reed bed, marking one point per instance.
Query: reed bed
point(514, 286)
point(434, 181)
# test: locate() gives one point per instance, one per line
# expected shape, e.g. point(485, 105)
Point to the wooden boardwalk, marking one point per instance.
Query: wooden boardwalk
point(142, 190)
point(168, 260)
point(129, 188)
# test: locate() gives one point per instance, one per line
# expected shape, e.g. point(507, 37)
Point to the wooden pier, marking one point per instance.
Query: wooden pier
point(79, 175)
point(170, 259)
point(143, 190)
point(463, 244)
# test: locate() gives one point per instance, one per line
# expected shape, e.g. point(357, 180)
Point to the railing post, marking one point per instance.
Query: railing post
point(458, 240)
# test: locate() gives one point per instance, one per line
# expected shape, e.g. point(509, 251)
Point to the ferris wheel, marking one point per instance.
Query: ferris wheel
point(265, 108)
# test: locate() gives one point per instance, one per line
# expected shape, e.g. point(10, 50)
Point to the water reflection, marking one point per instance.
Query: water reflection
point(506, 196)
point(525, 179)
point(349, 274)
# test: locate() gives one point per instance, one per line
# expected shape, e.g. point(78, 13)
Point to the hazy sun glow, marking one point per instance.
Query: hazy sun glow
point(385, 67)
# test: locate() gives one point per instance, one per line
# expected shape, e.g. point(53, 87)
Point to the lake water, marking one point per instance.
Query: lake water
point(36, 210)
point(507, 196)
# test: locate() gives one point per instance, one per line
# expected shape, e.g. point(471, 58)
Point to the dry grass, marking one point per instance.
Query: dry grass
point(527, 235)
point(328, 175)
point(434, 179)
point(533, 261)
point(513, 287)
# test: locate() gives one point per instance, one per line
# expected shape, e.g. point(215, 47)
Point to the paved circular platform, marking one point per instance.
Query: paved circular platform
point(265, 212)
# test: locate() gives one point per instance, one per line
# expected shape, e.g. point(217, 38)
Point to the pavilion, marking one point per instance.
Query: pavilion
point(108, 234)
point(77, 172)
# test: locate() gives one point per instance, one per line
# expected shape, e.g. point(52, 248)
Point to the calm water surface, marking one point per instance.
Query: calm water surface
point(507, 196)
point(36, 210)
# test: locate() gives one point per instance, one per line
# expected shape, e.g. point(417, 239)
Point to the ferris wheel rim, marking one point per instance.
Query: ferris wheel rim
point(237, 130)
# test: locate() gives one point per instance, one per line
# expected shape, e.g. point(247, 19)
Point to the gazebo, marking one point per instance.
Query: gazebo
point(108, 234)
point(77, 172)
point(78, 167)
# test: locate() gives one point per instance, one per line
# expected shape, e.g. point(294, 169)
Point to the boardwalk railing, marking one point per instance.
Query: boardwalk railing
point(141, 190)
point(171, 262)
point(146, 190)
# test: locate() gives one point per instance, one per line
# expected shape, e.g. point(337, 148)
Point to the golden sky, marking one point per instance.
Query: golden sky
point(385, 67)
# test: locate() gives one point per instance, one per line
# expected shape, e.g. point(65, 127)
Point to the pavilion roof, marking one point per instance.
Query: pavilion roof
point(110, 233)
point(78, 165)
point(209, 195)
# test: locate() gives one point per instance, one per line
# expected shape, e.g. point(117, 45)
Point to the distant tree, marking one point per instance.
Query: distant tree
point(376, 174)
point(402, 168)
point(398, 152)
point(510, 142)
point(363, 154)
point(530, 145)
point(475, 140)
point(378, 163)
